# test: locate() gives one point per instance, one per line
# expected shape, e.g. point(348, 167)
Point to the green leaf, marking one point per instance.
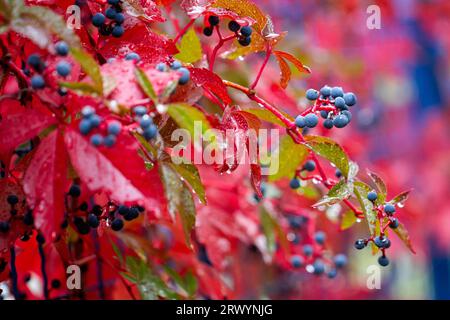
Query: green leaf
point(189, 172)
point(340, 191)
point(361, 190)
point(330, 150)
point(268, 116)
point(381, 187)
point(82, 88)
point(117, 252)
point(400, 198)
point(41, 24)
point(179, 199)
point(190, 47)
point(290, 155)
point(90, 67)
point(146, 85)
point(403, 234)
point(348, 220)
point(191, 284)
point(185, 115)
point(267, 223)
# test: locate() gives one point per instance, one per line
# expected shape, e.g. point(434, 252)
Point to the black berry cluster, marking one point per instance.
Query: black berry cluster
point(308, 166)
point(243, 33)
point(110, 23)
point(333, 106)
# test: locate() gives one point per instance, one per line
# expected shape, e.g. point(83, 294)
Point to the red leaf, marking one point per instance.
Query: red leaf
point(118, 171)
point(20, 127)
point(210, 81)
point(45, 184)
point(256, 179)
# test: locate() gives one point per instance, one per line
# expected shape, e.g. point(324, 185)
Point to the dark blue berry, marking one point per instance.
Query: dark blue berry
point(297, 261)
point(4, 226)
point(394, 223)
point(95, 120)
point(117, 224)
point(150, 132)
point(337, 92)
point(63, 68)
point(320, 237)
point(340, 260)
point(93, 221)
point(207, 31)
point(382, 242)
point(97, 139)
point(295, 222)
point(62, 49)
point(87, 111)
point(120, 18)
point(348, 114)
point(246, 31)
point(309, 165)
point(383, 261)
point(328, 124)
point(339, 103)
point(294, 183)
point(312, 94)
point(389, 208)
point(114, 127)
point(37, 82)
point(34, 60)
point(140, 110)
point(145, 122)
point(161, 67)
point(132, 214)
point(338, 173)
point(110, 13)
point(340, 121)
point(350, 99)
point(117, 32)
point(234, 26)
point(123, 210)
point(332, 274)
point(113, 2)
point(176, 65)
point(245, 41)
point(372, 196)
point(85, 126)
point(12, 199)
point(62, 92)
point(360, 244)
point(40, 238)
point(213, 20)
point(109, 141)
point(319, 267)
point(132, 56)
point(75, 190)
point(311, 120)
point(325, 91)
point(185, 76)
point(300, 121)
point(324, 114)
point(98, 19)
point(308, 250)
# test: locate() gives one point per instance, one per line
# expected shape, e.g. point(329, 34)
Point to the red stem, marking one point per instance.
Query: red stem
point(266, 59)
point(183, 31)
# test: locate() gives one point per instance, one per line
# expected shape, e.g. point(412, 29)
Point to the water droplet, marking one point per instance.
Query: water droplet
point(400, 204)
point(315, 181)
point(358, 220)
point(310, 268)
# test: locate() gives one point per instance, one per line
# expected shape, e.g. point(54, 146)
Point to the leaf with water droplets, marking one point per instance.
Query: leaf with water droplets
point(361, 190)
point(189, 172)
point(403, 234)
point(285, 69)
point(381, 187)
point(244, 8)
point(210, 81)
point(145, 10)
point(400, 198)
point(187, 116)
point(330, 150)
point(190, 47)
point(290, 155)
point(340, 191)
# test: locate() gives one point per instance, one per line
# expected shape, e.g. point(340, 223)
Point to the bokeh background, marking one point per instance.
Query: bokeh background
point(401, 75)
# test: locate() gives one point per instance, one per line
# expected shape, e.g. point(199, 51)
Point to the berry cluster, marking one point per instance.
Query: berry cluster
point(333, 106)
point(116, 18)
point(147, 128)
point(34, 61)
point(384, 212)
point(242, 33)
point(177, 66)
point(308, 166)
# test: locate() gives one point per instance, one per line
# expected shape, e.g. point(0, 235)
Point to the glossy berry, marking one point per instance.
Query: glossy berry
point(40, 238)
point(132, 56)
point(325, 91)
point(308, 250)
point(234, 26)
point(176, 65)
point(37, 82)
point(328, 124)
point(87, 111)
point(324, 114)
point(185, 76)
point(12, 199)
point(297, 261)
point(340, 121)
point(132, 214)
point(98, 19)
point(300, 121)
point(117, 31)
point(339, 103)
point(34, 60)
point(360, 244)
point(309, 165)
point(295, 222)
point(338, 173)
point(93, 221)
point(383, 261)
point(75, 190)
point(319, 267)
point(123, 210)
point(140, 110)
point(110, 13)
point(320, 237)
point(394, 223)
point(95, 120)
point(63, 68)
point(85, 126)
point(117, 224)
point(389, 208)
point(312, 94)
point(340, 260)
point(120, 18)
point(96, 139)
point(245, 41)
point(337, 92)
point(382, 242)
point(213, 20)
point(110, 140)
point(372, 196)
point(161, 67)
point(150, 132)
point(145, 122)
point(348, 114)
point(114, 127)
point(62, 92)
point(350, 99)
point(294, 183)
point(62, 49)
point(246, 31)
point(332, 274)
point(311, 120)
point(207, 31)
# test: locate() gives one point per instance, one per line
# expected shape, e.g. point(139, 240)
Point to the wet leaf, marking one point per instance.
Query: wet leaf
point(145, 10)
point(348, 220)
point(244, 8)
point(285, 69)
point(189, 173)
point(400, 198)
point(403, 234)
point(187, 116)
point(190, 47)
point(266, 115)
point(146, 85)
point(361, 189)
point(90, 67)
point(210, 81)
point(381, 187)
point(340, 191)
point(290, 155)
